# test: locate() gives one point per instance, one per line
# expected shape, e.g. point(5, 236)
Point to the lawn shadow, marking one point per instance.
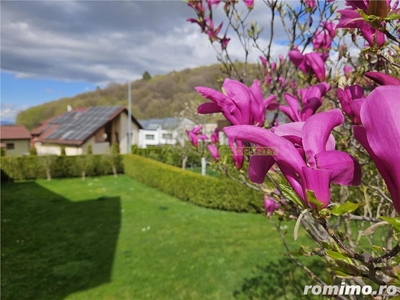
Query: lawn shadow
point(280, 279)
point(52, 247)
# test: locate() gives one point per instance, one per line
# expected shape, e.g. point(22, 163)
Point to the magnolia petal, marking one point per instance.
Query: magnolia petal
point(310, 108)
point(355, 106)
point(240, 95)
point(344, 102)
point(382, 79)
point(214, 151)
point(284, 150)
point(228, 107)
point(197, 129)
point(288, 112)
point(286, 155)
point(297, 58)
point(350, 19)
point(209, 108)
point(270, 103)
point(317, 65)
point(259, 166)
point(294, 105)
point(290, 131)
point(318, 182)
point(380, 118)
point(316, 132)
point(256, 104)
point(237, 156)
point(345, 168)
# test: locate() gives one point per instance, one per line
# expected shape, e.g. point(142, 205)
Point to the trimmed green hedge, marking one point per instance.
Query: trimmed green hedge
point(217, 193)
point(168, 154)
point(34, 167)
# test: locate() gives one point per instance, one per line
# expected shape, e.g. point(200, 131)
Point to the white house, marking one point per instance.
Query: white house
point(167, 131)
point(99, 126)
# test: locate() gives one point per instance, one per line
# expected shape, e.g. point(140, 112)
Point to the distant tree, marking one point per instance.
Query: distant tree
point(146, 76)
point(63, 153)
point(33, 151)
point(114, 158)
point(48, 161)
point(89, 149)
point(84, 161)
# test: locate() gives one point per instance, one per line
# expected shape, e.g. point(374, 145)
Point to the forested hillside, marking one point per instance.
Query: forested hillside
point(156, 97)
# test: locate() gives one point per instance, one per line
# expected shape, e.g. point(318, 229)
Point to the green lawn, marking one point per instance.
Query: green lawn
point(114, 238)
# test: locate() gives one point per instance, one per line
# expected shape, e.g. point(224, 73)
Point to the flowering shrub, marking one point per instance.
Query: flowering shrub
point(333, 123)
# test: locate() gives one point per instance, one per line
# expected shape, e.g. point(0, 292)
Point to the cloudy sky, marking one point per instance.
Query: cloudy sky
point(54, 49)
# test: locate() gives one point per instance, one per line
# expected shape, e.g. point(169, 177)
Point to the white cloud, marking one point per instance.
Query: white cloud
point(9, 111)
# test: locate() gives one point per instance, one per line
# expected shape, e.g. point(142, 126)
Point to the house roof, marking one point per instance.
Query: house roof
point(12, 132)
point(166, 123)
point(77, 126)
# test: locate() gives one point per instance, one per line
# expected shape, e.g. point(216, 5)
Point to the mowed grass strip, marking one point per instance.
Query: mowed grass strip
point(115, 238)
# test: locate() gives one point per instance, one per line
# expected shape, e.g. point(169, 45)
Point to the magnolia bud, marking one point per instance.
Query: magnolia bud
point(378, 8)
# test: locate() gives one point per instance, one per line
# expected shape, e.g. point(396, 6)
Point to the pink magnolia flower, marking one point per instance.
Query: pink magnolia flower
point(313, 168)
point(310, 100)
point(224, 42)
point(214, 151)
point(215, 136)
point(380, 135)
point(351, 99)
point(310, 61)
point(347, 70)
point(240, 105)
point(273, 66)
point(349, 18)
point(212, 2)
point(195, 135)
point(213, 32)
point(249, 3)
point(263, 61)
point(270, 205)
point(322, 40)
point(237, 155)
point(310, 3)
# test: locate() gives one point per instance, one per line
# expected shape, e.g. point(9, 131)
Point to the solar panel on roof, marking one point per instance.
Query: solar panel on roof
point(77, 126)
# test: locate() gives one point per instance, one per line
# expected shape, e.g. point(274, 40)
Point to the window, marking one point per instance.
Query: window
point(167, 136)
point(149, 137)
point(10, 146)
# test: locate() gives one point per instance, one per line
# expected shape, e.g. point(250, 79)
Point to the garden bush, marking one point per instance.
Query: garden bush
point(34, 167)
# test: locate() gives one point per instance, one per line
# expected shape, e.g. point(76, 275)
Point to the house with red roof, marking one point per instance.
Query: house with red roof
point(15, 139)
point(98, 126)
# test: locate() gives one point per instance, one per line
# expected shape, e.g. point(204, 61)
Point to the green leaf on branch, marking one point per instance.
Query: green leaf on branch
point(336, 255)
point(291, 195)
point(395, 222)
point(347, 207)
point(348, 268)
point(341, 273)
point(392, 17)
point(300, 252)
point(312, 199)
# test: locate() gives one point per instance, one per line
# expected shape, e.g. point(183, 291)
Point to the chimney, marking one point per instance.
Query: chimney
point(69, 108)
